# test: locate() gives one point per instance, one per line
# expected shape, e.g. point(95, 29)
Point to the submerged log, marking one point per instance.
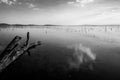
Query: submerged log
point(14, 50)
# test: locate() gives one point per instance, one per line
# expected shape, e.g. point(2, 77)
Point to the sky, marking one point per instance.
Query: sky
point(60, 12)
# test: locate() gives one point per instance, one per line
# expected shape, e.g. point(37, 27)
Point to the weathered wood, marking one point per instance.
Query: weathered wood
point(10, 47)
point(14, 50)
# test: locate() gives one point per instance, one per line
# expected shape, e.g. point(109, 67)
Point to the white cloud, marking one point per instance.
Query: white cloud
point(70, 2)
point(81, 3)
point(8, 2)
point(109, 12)
point(32, 6)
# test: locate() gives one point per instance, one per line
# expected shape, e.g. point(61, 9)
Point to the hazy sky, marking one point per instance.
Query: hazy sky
point(63, 12)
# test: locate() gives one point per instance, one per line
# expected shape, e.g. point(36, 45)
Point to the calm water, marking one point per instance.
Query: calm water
point(67, 52)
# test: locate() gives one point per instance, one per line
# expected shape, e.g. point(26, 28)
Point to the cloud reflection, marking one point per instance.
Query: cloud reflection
point(82, 56)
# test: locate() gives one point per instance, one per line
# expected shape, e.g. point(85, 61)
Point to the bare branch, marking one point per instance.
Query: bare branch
point(14, 50)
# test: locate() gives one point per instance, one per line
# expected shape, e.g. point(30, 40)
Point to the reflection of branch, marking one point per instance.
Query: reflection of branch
point(32, 46)
point(14, 50)
point(27, 38)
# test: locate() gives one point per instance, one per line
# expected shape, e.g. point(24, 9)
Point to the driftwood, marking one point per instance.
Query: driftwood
point(14, 50)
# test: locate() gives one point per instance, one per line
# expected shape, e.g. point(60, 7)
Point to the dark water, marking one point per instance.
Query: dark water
point(66, 53)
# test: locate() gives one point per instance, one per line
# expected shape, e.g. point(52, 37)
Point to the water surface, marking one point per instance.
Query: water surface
point(67, 52)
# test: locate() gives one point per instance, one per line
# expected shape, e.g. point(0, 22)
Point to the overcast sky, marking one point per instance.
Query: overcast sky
point(63, 12)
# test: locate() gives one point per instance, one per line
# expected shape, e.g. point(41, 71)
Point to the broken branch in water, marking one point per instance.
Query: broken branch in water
point(14, 50)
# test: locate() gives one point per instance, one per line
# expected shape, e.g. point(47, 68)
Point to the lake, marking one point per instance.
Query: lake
point(66, 53)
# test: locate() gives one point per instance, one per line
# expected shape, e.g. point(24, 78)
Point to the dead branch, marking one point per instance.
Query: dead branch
point(14, 50)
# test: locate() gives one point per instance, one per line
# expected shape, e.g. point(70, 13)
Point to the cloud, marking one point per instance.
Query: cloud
point(12, 2)
point(8, 2)
point(109, 12)
point(81, 3)
point(32, 6)
point(82, 55)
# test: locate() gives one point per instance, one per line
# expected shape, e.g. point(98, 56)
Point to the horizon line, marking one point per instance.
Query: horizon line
point(59, 24)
